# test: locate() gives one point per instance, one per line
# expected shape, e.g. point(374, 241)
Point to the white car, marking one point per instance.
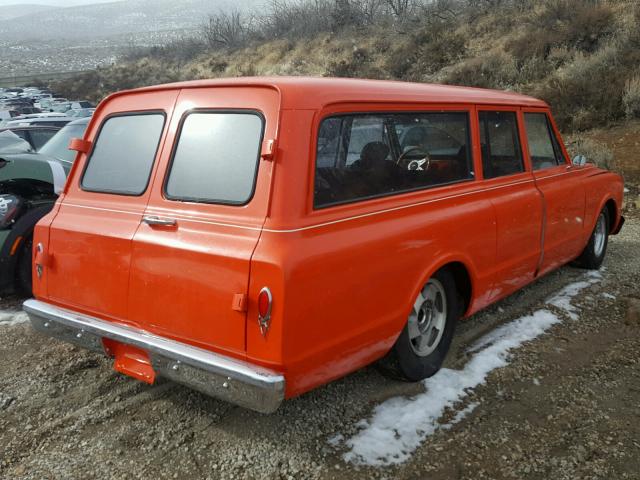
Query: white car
point(56, 121)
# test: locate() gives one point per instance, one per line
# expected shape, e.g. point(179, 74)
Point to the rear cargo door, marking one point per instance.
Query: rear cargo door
point(90, 237)
point(209, 199)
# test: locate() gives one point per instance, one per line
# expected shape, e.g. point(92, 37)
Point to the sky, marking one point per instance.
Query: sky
point(52, 3)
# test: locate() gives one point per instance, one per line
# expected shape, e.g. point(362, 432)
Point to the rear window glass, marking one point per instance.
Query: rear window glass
point(216, 158)
point(40, 137)
point(369, 155)
point(123, 154)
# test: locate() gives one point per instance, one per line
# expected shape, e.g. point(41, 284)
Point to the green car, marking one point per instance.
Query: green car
point(29, 186)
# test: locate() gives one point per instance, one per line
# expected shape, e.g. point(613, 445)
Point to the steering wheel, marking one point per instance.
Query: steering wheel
point(418, 164)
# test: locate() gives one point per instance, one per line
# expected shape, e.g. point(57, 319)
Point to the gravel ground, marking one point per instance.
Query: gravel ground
point(567, 406)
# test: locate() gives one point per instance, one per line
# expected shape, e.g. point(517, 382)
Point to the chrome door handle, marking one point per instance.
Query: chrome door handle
point(158, 221)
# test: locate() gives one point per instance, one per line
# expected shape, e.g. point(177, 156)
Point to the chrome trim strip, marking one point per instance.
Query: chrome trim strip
point(323, 224)
point(223, 377)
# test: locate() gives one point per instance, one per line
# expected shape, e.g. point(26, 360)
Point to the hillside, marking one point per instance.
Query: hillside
point(582, 57)
point(38, 39)
point(108, 19)
point(9, 12)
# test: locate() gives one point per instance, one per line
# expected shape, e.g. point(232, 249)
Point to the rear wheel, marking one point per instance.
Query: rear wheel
point(425, 340)
point(593, 254)
point(23, 268)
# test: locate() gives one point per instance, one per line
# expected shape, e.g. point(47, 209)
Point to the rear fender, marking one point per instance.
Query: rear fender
point(439, 264)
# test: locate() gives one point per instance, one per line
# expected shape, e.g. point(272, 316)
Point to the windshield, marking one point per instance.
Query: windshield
point(58, 145)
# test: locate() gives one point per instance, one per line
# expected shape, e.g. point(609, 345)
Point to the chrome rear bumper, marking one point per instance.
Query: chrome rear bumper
point(222, 377)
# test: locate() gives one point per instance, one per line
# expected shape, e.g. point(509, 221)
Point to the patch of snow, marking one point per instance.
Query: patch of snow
point(626, 190)
point(460, 415)
point(608, 295)
point(562, 299)
point(10, 318)
point(536, 382)
point(399, 425)
point(336, 440)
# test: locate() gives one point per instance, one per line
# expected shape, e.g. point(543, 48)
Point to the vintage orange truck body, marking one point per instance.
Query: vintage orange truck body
point(180, 297)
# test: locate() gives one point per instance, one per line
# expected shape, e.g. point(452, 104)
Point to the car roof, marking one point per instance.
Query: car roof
point(80, 121)
point(42, 120)
point(316, 92)
point(30, 127)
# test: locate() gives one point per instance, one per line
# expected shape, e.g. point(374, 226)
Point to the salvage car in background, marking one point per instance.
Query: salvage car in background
point(29, 186)
point(229, 236)
point(35, 135)
point(52, 121)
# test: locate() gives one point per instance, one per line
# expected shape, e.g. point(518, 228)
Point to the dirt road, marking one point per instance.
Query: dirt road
point(565, 406)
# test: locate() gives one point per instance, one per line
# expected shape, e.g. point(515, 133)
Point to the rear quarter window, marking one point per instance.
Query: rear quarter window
point(216, 158)
point(123, 154)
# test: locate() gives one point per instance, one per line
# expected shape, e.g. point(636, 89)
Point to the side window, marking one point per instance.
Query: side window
point(329, 142)
point(216, 158)
point(560, 158)
point(363, 156)
point(501, 152)
point(543, 147)
point(123, 154)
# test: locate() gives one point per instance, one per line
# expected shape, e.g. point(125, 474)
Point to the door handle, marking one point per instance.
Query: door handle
point(158, 221)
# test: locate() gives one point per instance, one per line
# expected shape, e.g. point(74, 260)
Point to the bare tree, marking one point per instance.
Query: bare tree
point(400, 8)
point(226, 29)
point(370, 10)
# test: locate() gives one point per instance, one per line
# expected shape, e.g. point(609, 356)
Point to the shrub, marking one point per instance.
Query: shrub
point(631, 97)
point(496, 69)
point(296, 19)
point(577, 24)
point(585, 93)
point(359, 64)
point(595, 152)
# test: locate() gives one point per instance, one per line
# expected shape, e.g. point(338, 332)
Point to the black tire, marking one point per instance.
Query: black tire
point(24, 268)
point(593, 254)
point(402, 362)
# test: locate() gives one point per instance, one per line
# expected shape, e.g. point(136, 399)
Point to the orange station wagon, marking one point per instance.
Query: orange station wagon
point(256, 238)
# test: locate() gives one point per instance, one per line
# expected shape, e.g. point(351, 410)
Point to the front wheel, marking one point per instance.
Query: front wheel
point(593, 254)
point(424, 342)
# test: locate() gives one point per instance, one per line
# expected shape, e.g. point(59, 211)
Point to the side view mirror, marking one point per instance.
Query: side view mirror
point(579, 160)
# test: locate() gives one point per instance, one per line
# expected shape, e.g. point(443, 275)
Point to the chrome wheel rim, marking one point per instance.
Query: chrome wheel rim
point(599, 235)
point(428, 318)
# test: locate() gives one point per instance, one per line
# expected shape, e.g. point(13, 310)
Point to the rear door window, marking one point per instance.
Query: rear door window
point(123, 154)
point(216, 158)
point(500, 145)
